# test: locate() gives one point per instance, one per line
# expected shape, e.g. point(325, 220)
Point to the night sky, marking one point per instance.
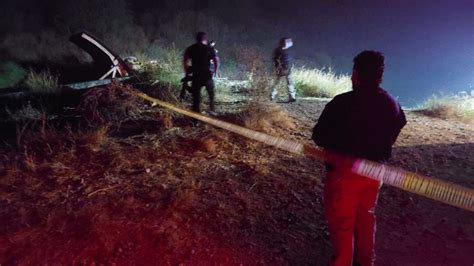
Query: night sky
point(428, 44)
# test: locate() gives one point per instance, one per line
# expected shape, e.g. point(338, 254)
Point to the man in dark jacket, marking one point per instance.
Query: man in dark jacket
point(282, 68)
point(188, 78)
point(363, 123)
point(200, 55)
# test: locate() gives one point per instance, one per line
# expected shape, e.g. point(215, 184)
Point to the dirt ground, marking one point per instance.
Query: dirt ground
point(174, 194)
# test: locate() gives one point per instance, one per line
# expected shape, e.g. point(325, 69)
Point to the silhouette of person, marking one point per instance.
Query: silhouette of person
point(200, 56)
point(282, 68)
point(362, 123)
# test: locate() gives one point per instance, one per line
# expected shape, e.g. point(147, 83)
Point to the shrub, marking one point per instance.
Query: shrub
point(11, 74)
point(252, 63)
point(449, 107)
point(162, 73)
point(266, 117)
point(110, 105)
point(43, 82)
point(162, 64)
point(320, 82)
point(27, 112)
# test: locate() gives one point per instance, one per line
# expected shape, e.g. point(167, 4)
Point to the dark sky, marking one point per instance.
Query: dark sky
point(428, 44)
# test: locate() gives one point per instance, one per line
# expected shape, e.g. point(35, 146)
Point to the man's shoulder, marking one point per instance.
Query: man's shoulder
point(192, 46)
point(189, 49)
point(340, 101)
point(386, 94)
point(345, 96)
point(388, 97)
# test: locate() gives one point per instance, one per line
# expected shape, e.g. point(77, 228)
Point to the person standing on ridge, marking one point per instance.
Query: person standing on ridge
point(363, 123)
point(282, 68)
point(200, 56)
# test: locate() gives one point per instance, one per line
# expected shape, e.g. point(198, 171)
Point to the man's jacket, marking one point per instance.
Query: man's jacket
point(201, 56)
point(361, 123)
point(282, 61)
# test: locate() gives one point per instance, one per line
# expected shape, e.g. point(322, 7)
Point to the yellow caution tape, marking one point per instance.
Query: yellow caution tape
point(432, 188)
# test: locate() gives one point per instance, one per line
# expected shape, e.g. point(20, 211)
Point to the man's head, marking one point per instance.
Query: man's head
point(368, 69)
point(201, 37)
point(285, 42)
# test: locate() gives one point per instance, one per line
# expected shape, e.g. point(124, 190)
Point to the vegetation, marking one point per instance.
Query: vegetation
point(322, 83)
point(25, 113)
point(153, 35)
point(122, 182)
point(449, 107)
point(113, 104)
point(155, 188)
point(11, 74)
point(118, 192)
point(42, 82)
point(266, 117)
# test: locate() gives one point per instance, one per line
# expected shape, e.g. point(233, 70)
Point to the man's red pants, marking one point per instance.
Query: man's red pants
point(350, 201)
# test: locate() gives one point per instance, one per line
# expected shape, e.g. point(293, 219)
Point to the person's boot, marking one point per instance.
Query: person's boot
point(291, 93)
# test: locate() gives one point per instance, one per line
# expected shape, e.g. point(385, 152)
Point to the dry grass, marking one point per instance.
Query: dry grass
point(46, 144)
point(182, 195)
point(254, 66)
point(112, 104)
point(164, 91)
point(43, 82)
point(320, 83)
point(27, 112)
point(459, 108)
point(266, 117)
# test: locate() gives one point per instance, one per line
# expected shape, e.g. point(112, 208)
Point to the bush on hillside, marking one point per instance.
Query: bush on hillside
point(11, 74)
point(110, 105)
point(322, 83)
point(459, 108)
point(43, 82)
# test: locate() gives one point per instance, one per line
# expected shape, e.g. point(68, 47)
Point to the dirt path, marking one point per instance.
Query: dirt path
point(413, 230)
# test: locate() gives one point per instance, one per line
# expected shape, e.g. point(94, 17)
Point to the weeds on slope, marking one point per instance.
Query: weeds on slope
point(324, 83)
point(458, 108)
point(181, 194)
point(43, 82)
